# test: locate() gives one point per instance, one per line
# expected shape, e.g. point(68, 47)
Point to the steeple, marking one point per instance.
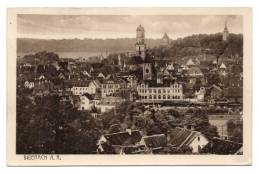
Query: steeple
point(225, 33)
point(165, 40)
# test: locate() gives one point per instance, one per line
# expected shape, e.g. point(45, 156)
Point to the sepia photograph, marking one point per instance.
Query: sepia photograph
point(126, 83)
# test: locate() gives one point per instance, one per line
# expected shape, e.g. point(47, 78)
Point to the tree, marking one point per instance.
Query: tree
point(200, 119)
point(235, 131)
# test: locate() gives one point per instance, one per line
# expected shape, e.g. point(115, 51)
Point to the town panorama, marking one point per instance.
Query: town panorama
point(182, 96)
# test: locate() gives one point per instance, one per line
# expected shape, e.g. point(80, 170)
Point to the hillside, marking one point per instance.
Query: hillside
point(188, 46)
point(196, 45)
point(25, 45)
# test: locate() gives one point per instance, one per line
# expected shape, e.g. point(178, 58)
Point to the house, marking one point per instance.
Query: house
point(215, 92)
point(115, 142)
point(154, 143)
point(29, 84)
point(42, 88)
point(200, 94)
point(190, 63)
point(86, 102)
point(111, 86)
point(110, 102)
point(81, 87)
point(220, 146)
point(181, 137)
point(152, 92)
point(194, 72)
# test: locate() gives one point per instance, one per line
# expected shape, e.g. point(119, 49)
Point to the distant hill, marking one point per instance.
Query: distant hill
point(193, 45)
point(25, 45)
point(197, 45)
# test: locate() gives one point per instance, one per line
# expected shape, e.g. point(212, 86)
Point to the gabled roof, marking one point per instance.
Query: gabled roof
point(124, 138)
point(90, 97)
point(81, 83)
point(190, 62)
point(223, 66)
point(194, 70)
point(216, 87)
point(165, 36)
point(180, 136)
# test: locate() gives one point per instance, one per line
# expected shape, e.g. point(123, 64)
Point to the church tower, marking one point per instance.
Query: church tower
point(147, 71)
point(140, 46)
point(165, 40)
point(225, 33)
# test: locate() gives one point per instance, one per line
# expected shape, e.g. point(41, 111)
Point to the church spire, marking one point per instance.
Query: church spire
point(225, 33)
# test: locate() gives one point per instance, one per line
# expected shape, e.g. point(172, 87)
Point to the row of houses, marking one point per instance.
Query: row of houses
point(178, 140)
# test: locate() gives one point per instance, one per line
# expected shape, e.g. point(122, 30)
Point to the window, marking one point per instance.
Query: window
point(168, 97)
point(154, 97)
point(164, 96)
point(150, 97)
point(159, 96)
point(159, 91)
point(164, 91)
point(154, 90)
point(198, 138)
point(150, 91)
point(168, 91)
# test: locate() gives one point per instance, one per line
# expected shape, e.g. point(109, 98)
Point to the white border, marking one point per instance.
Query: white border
point(244, 159)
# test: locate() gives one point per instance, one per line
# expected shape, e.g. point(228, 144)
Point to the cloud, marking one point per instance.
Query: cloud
point(113, 26)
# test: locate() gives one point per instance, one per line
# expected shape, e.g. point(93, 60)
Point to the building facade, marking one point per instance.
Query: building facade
point(82, 87)
point(110, 87)
point(159, 93)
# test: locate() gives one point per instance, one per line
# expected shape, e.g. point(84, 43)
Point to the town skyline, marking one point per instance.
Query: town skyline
point(122, 26)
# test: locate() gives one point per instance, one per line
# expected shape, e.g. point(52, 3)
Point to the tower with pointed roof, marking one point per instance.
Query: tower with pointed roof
point(140, 45)
point(165, 40)
point(225, 33)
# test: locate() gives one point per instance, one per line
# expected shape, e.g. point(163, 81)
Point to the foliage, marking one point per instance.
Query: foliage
point(44, 125)
point(235, 131)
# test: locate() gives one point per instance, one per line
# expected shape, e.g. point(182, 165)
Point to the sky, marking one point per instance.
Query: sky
point(122, 26)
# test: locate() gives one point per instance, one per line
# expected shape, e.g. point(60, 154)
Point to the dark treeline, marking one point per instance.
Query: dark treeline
point(190, 45)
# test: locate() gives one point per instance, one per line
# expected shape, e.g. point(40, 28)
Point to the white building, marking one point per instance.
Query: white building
point(82, 87)
point(86, 102)
point(200, 94)
point(111, 86)
point(29, 84)
point(153, 93)
point(181, 137)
